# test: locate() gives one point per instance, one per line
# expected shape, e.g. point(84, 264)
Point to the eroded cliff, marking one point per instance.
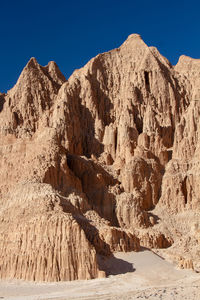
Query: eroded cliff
point(105, 161)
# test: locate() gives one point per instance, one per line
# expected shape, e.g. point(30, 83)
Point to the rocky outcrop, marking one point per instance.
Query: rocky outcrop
point(29, 103)
point(105, 161)
point(45, 249)
point(42, 241)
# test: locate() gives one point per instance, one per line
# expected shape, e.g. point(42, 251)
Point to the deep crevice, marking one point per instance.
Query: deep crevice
point(147, 82)
point(184, 189)
point(115, 140)
point(16, 117)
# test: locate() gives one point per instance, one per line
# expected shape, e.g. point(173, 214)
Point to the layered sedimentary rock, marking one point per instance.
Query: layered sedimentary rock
point(105, 161)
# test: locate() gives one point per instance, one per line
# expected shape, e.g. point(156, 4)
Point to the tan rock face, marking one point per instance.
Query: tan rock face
point(45, 249)
point(105, 161)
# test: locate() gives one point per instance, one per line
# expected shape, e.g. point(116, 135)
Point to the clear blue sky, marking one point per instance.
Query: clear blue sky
point(72, 32)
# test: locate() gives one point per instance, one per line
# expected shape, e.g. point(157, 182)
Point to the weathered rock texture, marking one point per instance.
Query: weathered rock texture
point(105, 161)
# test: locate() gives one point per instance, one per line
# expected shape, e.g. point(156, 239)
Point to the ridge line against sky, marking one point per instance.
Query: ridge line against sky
point(72, 33)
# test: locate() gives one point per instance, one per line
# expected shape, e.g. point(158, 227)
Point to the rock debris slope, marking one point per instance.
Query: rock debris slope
point(106, 161)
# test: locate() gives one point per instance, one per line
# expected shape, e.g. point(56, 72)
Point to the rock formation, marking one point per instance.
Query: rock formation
point(105, 161)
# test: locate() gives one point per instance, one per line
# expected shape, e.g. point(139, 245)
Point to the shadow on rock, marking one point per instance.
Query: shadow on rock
point(96, 184)
point(2, 101)
point(92, 235)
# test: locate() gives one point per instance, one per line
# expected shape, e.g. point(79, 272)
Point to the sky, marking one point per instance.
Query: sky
point(72, 32)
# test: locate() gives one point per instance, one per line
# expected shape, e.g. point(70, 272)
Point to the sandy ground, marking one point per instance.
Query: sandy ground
point(142, 275)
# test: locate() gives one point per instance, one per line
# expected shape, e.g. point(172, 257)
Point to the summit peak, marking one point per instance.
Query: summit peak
point(134, 36)
point(32, 62)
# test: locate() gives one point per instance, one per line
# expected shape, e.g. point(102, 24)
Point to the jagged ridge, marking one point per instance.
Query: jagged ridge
point(105, 161)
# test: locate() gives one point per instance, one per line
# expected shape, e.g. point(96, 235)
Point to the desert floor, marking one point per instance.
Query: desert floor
point(142, 275)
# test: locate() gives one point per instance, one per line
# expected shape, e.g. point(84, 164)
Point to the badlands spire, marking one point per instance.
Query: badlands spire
point(105, 161)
